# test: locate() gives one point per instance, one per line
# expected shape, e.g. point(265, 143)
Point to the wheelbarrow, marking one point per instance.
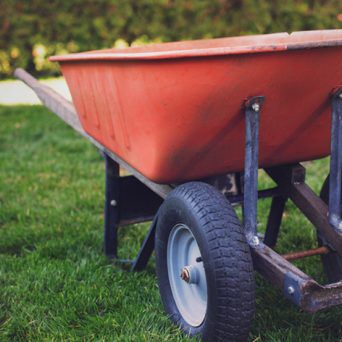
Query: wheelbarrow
point(182, 116)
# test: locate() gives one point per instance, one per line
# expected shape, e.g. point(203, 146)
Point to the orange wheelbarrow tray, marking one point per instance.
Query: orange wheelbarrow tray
point(193, 122)
point(182, 101)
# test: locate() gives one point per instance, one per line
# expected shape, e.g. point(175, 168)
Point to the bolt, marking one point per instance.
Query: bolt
point(256, 107)
point(113, 203)
point(291, 290)
point(185, 274)
point(255, 241)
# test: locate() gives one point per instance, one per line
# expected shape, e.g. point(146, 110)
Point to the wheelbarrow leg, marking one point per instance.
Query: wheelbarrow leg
point(146, 248)
point(111, 213)
point(252, 112)
point(274, 220)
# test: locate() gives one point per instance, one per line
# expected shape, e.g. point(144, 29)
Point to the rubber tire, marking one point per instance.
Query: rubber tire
point(226, 257)
point(332, 262)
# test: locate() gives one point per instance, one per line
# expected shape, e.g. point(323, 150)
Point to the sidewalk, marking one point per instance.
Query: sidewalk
point(16, 92)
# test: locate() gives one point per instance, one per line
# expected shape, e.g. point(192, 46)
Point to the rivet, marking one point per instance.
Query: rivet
point(113, 203)
point(291, 290)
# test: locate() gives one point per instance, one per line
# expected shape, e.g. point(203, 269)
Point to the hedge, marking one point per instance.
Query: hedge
point(31, 30)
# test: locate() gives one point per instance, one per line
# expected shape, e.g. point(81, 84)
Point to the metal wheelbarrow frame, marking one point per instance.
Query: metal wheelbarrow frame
point(132, 199)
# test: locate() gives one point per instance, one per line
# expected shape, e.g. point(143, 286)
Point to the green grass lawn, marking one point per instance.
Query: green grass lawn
point(55, 283)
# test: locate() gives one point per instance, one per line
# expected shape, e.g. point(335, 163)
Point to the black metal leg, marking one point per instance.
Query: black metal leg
point(111, 218)
point(146, 248)
point(252, 109)
point(274, 220)
point(336, 162)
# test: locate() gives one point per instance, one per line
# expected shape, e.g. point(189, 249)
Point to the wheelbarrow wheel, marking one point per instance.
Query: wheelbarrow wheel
point(332, 261)
point(204, 265)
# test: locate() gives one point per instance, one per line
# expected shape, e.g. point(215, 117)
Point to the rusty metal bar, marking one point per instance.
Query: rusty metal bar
point(304, 254)
point(296, 285)
point(292, 180)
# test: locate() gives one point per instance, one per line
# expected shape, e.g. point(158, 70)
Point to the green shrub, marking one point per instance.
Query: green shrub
point(32, 30)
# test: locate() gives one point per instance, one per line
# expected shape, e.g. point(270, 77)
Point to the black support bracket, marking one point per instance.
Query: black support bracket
point(336, 161)
point(127, 201)
point(252, 114)
point(111, 212)
point(146, 248)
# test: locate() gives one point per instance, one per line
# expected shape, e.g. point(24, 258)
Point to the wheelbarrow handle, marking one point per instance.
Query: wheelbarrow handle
point(52, 100)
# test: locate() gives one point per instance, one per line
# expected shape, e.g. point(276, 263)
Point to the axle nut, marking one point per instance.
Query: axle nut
point(185, 274)
point(190, 274)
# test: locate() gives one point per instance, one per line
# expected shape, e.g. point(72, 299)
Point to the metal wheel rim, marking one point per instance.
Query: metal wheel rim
point(190, 298)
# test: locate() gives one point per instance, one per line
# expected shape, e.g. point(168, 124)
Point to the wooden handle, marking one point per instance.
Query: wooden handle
point(52, 100)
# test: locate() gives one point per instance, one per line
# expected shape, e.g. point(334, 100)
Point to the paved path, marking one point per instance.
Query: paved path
point(16, 92)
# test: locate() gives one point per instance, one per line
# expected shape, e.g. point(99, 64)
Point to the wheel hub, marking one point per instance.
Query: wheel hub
point(190, 274)
point(187, 275)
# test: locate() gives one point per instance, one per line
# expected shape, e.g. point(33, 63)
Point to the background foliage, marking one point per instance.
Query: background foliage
point(32, 30)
